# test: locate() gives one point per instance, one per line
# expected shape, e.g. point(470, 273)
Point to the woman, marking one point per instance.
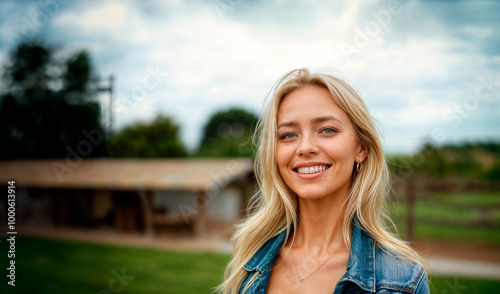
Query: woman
point(317, 222)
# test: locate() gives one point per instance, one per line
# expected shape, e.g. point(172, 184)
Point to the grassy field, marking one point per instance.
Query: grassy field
point(49, 266)
point(54, 266)
point(447, 215)
point(455, 285)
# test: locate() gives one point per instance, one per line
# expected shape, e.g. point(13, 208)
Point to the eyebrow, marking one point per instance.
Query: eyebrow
point(314, 121)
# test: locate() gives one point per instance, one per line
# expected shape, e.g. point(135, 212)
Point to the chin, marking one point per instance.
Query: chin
point(310, 194)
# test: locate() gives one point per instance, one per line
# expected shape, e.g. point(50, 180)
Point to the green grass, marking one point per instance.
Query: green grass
point(479, 199)
point(459, 285)
point(50, 266)
point(456, 209)
point(55, 266)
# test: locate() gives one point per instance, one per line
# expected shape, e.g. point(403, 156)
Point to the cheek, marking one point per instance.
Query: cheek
point(343, 153)
point(279, 156)
point(283, 156)
point(284, 160)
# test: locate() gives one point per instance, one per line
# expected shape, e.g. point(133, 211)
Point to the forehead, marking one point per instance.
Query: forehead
point(309, 102)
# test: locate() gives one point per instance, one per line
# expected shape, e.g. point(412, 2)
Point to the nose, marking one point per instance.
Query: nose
point(307, 146)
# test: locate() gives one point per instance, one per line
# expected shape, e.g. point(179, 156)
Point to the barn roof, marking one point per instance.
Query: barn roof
point(124, 174)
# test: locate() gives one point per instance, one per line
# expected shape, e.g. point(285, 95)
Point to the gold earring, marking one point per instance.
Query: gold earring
point(359, 166)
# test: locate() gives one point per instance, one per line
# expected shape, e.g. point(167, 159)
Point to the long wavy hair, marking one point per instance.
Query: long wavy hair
point(273, 208)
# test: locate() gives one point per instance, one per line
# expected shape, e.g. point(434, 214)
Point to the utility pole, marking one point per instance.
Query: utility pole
point(109, 89)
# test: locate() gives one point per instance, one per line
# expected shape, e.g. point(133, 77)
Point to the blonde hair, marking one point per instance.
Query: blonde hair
point(274, 206)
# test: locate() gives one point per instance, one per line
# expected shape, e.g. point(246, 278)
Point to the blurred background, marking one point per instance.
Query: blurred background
point(127, 126)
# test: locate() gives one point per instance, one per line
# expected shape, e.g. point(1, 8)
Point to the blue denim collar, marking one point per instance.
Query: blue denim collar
point(360, 267)
point(361, 264)
point(263, 260)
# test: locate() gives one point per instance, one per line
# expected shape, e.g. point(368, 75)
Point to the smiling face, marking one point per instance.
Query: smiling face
point(317, 144)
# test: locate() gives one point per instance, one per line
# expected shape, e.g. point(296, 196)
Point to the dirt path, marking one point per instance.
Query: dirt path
point(110, 236)
point(457, 249)
point(463, 268)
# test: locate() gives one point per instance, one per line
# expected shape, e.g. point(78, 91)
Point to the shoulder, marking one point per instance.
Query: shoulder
point(392, 272)
point(376, 270)
point(263, 259)
point(260, 264)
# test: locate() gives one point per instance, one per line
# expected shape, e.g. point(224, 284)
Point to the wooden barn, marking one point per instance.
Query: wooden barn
point(205, 195)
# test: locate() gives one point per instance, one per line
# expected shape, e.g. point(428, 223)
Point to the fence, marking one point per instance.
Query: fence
point(418, 189)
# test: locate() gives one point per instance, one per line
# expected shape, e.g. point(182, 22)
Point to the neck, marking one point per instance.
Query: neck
point(320, 227)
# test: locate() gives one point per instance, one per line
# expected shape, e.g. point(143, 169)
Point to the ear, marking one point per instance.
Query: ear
point(362, 152)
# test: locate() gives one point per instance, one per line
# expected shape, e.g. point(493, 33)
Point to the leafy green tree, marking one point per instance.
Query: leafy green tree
point(228, 134)
point(47, 105)
point(467, 160)
point(159, 138)
point(493, 174)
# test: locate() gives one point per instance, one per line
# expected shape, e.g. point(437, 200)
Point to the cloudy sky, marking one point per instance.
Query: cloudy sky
point(428, 70)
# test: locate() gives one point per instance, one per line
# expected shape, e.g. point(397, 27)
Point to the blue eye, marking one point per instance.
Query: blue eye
point(329, 131)
point(288, 136)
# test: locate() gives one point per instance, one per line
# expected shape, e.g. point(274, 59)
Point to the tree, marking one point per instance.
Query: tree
point(228, 134)
point(160, 138)
point(477, 160)
point(47, 104)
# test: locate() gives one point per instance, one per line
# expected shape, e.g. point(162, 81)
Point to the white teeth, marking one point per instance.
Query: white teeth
point(311, 169)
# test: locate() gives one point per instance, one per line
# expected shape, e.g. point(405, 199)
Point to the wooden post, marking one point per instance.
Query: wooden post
point(411, 210)
point(200, 221)
point(60, 206)
point(146, 201)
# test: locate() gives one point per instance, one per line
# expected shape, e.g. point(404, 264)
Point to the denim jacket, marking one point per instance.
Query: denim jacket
point(369, 269)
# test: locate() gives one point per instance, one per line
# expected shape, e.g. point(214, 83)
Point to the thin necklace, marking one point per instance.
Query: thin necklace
point(302, 278)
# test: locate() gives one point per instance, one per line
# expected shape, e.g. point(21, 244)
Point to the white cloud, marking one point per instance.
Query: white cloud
point(108, 18)
point(407, 73)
